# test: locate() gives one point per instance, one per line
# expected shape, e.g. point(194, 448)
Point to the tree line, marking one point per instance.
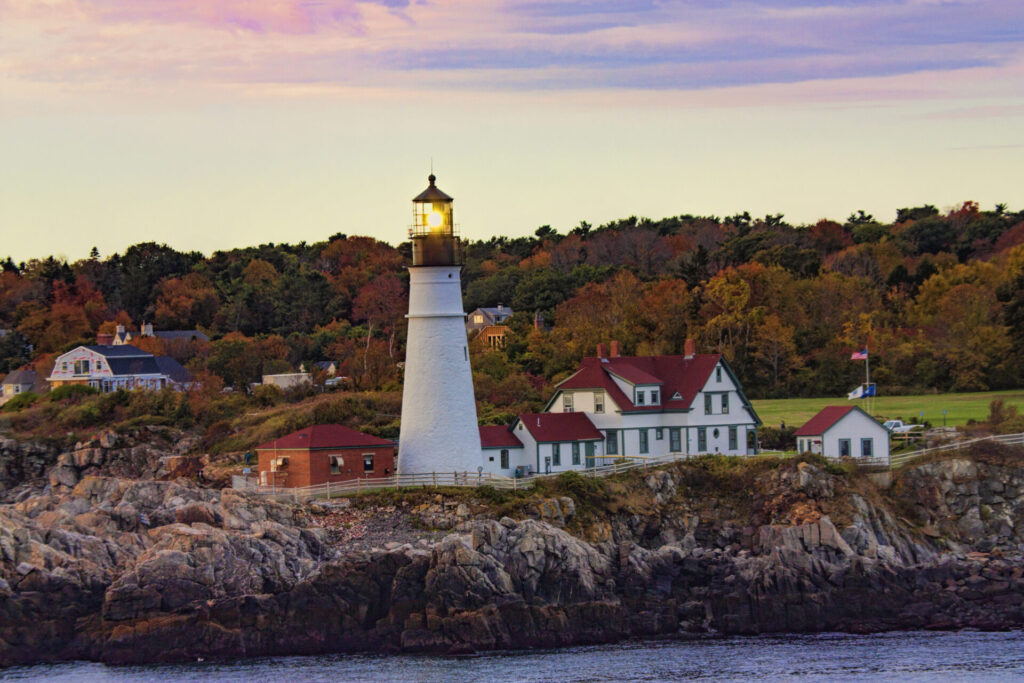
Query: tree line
point(937, 297)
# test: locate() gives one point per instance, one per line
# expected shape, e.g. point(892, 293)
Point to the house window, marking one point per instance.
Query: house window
point(702, 439)
point(64, 366)
point(81, 367)
point(337, 462)
point(659, 434)
point(566, 403)
point(575, 454)
point(611, 445)
point(504, 458)
point(707, 404)
point(732, 439)
point(556, 455)
point(674, 442)
point(867, 448)
point(598, 402)
point(639, 397)
point(655, 397)
point(718, 373)
point(643, 441)
point(844, 448)
point(725, 404)
point(478, 319)
point(368, 462)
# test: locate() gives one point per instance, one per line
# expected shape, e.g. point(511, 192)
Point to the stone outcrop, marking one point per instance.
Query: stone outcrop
point(135, 571)
point(145, 453)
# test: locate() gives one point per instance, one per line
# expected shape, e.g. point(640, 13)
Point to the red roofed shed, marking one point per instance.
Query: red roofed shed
point(324, 453)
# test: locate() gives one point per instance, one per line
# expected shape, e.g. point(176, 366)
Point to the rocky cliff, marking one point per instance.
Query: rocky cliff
point(120, 570)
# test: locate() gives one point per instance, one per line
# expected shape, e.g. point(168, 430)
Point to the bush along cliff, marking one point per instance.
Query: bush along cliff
point(123, 570)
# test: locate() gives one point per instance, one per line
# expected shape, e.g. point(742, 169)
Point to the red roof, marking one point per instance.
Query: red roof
point(551, 427)
point(676, 374)
point(326, 436)
point(631, 374)
point(820, 423)
point(499, 436)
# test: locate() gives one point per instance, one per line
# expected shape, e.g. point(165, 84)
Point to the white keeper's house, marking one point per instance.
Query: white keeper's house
point(634, 407)
point(109, 368)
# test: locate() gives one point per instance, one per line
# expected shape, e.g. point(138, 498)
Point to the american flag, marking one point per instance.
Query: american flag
point(859, 355)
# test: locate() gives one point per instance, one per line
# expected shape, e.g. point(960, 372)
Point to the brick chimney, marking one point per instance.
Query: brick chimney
point(690, 349)
point(105, 339)
point(615, 348)
point(600, 351)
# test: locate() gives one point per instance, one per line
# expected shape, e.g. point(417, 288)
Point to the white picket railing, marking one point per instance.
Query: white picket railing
point(900, 459)
point(471, 479)
point(625, 464)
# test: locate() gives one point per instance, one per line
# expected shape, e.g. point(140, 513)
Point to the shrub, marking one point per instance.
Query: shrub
point(20, 401)
point(266, 395)
point(71, 391)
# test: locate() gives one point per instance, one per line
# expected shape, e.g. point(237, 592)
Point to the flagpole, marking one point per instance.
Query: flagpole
point(867, 376)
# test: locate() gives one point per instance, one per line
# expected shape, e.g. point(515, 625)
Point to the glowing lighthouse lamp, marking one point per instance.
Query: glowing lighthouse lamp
point(439, 430)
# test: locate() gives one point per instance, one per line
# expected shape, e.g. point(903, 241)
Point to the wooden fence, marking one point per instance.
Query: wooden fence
point(901, 459)
point(626, 464)
point(471, 479)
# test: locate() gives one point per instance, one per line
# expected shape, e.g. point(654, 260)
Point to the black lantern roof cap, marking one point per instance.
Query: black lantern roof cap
point(432, 194)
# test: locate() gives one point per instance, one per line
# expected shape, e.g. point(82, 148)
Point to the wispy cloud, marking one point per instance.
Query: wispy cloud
point(498, 44)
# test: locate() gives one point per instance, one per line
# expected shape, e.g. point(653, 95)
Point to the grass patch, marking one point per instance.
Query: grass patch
point(959, 407)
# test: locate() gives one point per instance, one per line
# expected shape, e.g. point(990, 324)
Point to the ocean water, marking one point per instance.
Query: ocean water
point(904, 656)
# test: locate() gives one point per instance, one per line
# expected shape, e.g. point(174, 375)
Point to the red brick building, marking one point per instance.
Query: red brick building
point(324, 453)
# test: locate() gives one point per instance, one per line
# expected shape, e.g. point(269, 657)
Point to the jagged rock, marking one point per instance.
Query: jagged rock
point(121, 570)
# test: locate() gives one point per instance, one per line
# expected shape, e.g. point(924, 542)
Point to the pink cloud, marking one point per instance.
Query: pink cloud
point(262, 16)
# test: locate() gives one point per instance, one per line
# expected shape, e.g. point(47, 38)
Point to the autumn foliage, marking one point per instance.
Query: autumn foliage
point(937, 297)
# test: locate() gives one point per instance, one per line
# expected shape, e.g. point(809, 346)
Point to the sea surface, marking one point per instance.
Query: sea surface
point(904, 656)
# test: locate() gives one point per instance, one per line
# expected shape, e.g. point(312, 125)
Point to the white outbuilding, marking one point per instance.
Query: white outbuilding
point(844, 432)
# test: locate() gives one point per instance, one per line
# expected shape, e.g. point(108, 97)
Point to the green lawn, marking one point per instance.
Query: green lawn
point(959, 407)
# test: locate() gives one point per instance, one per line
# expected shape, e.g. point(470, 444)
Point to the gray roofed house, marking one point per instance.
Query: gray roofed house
point(487, 316)
point(123, 336)
point(187, 335)
point(173, 369)
point(17, 382)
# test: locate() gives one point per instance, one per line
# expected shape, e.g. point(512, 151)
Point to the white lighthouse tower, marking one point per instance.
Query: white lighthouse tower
point(439, 430)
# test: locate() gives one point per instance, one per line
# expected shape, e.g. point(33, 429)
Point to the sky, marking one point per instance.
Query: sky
point(215, 124)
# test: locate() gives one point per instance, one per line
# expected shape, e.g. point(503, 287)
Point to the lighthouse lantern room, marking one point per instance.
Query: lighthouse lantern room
point(439, 430)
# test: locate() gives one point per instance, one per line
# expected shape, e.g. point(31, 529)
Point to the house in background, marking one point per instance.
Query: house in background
point(110, 368)
point(843, 432)
point(17, 382)
point(485, 317)
point(288, 380)
point(329, 367)
point(122, 336)
point(324, 453)
point(492, 337)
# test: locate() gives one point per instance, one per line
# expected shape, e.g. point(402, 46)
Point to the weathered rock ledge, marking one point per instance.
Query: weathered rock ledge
point(139, 571)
